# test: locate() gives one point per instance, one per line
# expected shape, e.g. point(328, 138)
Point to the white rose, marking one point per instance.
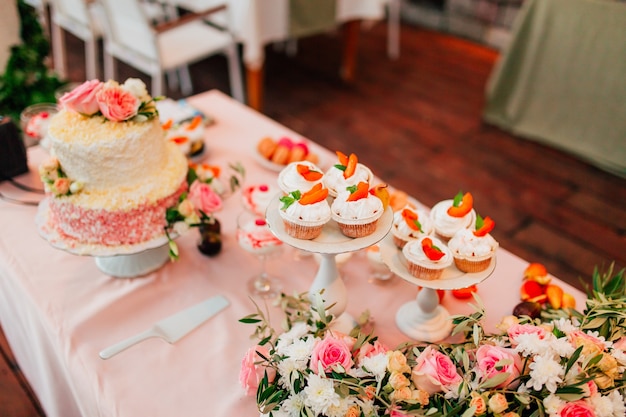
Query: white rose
point(136, 87)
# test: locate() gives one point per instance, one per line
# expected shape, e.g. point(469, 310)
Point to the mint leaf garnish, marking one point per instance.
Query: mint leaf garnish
point(457, 199)
point(340, 167)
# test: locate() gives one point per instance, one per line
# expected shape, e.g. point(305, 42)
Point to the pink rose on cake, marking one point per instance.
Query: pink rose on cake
point(82, 99)
point(116, 103)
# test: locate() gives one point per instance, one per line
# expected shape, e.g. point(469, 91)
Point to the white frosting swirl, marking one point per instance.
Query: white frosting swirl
point(256, 237)
point(414, 253)
point(336, 183)
point(257, 197)
point(402, 230)
point(289, 179)
point(464, 244)
point(363, 210)
point(307, 215)
point(447, 225)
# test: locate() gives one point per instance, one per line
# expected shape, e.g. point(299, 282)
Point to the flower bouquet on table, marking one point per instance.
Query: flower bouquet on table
point(205, 194)
point(572, 366)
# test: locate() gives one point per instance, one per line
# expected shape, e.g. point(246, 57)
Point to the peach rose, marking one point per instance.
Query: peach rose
point(577, 409)
point(62, 186)
point(498, 403)
point(252, 373)
point(591, 344)
point(434, 372)
point(82, 99)
point(479, 402)
point(488, 356)
point(204, 198)
point(117, 104)
point(330, 352)
point(396, 362)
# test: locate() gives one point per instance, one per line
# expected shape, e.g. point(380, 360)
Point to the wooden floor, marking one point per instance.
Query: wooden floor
point(417, 123)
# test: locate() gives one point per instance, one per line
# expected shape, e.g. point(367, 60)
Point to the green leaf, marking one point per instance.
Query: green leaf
point(457, 199)
point(340, 167)
point(495, 380)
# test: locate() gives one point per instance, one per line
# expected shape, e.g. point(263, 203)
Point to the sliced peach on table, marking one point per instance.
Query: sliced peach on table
point(308, 173)
point(168, 124)
point(568, 301)
point(464, 293)
point(537, 272)
point(554, 293)
point(462, 205)
point(195, 122)
point(351, 166)
point(530, 290)
point(358, 192)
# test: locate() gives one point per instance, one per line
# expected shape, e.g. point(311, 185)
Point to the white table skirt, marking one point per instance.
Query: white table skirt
point(58, 310)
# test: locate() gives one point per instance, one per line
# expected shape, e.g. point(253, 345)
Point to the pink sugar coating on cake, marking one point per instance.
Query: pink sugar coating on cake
point(112, 228)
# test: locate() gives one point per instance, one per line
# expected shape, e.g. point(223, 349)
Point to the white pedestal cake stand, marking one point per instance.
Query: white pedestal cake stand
point(126, 261)
point(328, 244)
point(425, 319)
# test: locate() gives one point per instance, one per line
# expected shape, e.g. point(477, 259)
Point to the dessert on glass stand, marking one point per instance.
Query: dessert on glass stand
point(255, 237)
point(111, 178)
point(432, 264)
point(302, 219)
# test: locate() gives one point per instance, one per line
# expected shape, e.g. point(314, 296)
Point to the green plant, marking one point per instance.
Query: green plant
point(27, 79)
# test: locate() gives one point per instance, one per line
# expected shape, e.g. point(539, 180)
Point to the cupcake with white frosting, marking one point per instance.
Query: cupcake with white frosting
point(427, 257)
point(450, 216)
point(301, 175)
point(473, 249)
point(305, 214)
point(345, 173)
point(410, 223)
point(356, 211)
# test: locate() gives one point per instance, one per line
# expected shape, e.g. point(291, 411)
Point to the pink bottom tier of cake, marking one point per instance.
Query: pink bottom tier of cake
point(112, 228)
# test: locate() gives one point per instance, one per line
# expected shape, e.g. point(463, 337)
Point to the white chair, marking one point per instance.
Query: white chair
point(131, 37)
point(81, 20)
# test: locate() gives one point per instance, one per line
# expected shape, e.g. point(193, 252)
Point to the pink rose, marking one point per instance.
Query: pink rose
point(117, 104)
point(330, 352)
point(434, 372)
point(251, 373)
point(577, 409)
point(82, 99)
point(204, 198)
point(396, 412)
point(488, 356)
point(518, 329)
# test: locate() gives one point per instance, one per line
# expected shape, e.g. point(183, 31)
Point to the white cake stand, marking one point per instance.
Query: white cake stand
point(328, 244)
point(126, 261)
point(425, 319)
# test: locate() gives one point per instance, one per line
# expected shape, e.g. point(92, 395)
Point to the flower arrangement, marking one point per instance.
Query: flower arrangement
point(55, 181)
point(204, 197)
point(566, 366)
point(111, 100)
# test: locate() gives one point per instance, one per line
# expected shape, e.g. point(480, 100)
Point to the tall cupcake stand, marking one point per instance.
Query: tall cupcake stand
point(425, 319)
point(330, 243)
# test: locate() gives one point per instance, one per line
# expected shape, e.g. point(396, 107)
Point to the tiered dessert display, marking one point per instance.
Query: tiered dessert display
point(312, 221)
point(111, 179)
point(434, 263)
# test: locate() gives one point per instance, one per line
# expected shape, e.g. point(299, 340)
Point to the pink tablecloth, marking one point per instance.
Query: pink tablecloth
point(58, 310)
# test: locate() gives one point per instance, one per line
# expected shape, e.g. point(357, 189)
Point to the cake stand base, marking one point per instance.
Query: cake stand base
point(133, 265)
point(411, 320)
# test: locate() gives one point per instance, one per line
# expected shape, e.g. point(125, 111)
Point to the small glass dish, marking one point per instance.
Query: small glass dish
point(34, 121)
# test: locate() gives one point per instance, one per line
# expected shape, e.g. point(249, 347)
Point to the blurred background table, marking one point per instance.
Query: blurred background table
point(58, 310)
point(561, 80)
point(257, 23)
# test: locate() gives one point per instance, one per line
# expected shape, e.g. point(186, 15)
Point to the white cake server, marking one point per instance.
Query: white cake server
point(173, 328)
